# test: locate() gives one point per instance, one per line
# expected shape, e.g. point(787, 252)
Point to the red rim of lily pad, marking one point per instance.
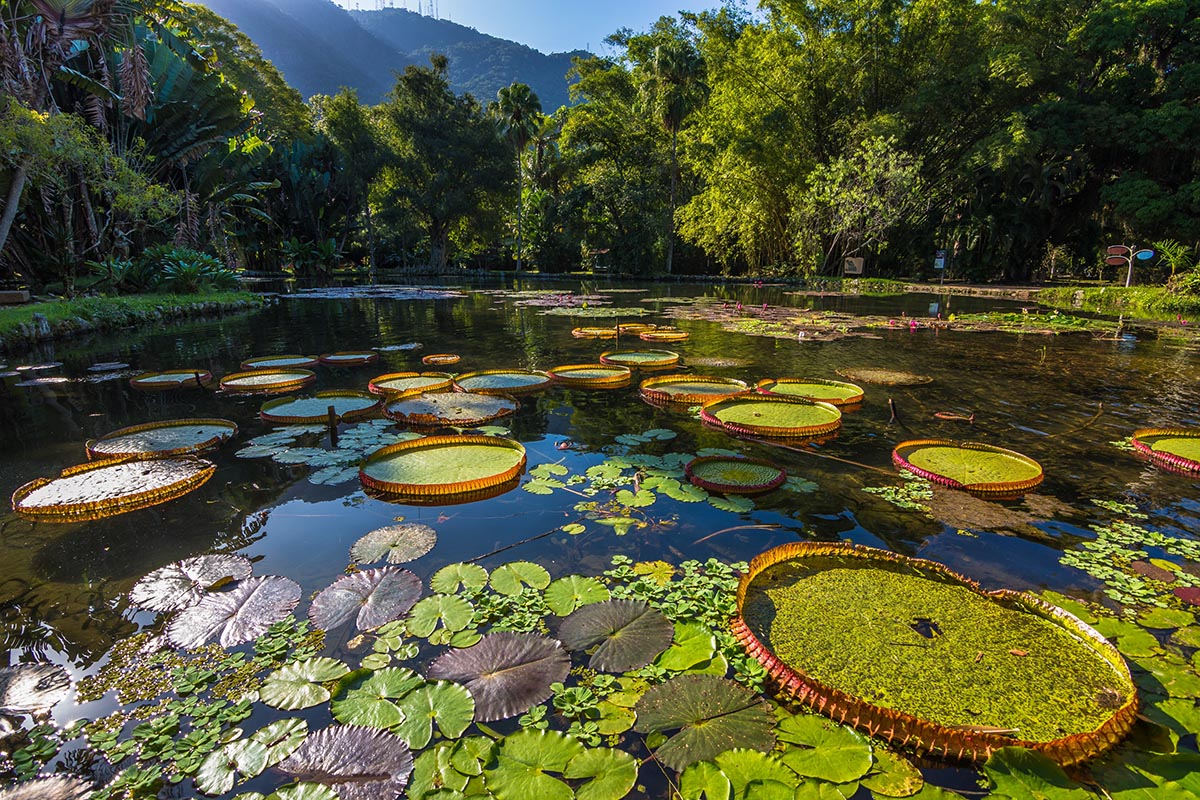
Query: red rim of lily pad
point(725, 487)
point(440, 359)
point(438, 382)
point(907, 730)
point(993, 489)
point(274, 411)
point(483, 483)
point(172, 379)
point(267, 381)
point(1145, 441)
point(825, 419)
point(591, 376)
point(533, 381)
point(286, 361)
point(223, 431)
point(847, 394)
point(350, 358)
point(653, 389)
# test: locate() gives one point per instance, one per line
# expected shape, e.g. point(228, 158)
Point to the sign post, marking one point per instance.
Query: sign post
point(1118, 254)
point(852, 265)
point(939, 265)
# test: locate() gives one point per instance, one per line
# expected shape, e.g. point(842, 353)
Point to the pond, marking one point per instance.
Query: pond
point(1110, 531)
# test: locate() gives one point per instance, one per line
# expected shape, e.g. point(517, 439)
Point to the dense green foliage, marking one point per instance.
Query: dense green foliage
point(1020, 136)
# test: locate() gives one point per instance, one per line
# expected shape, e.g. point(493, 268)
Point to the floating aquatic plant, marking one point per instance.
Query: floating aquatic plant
point(980, 469)
point(1177, 448)
point(664, 335)
point(594, 333)
point(242, 612)
point(373, 597)
point(689, 390)
point(461, 409)
point(884, 377)
point(836, 393)
point(397, 385)
point(350, 358)
point(276, 362)
point(348, 406)
point(730, 475)
point(185, 583)
point(172, 379)
point(399, 544)
point(502, 381)
point(440, 359)
point(174, 437)
point(505, 672)
point(267, 381)
point(106, 488)
point(591, 376)
point(640, 359)
point(626, 634)
point(32, 688)
point(443, 466)
point(356, 763)
point(771, 416)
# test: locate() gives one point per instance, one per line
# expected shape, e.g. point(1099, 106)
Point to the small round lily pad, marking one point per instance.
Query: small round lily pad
point(980, 469)
point(174, 437)
point(281, 362)
point(502, 381)
point(772, 416)
point(440, 359)
point(837, 393)
point(106, 488)
point(396, 385)
point(267, 381)
point(172, 379)
point(348, 405)
point(592, 376)
point(441, 466)
point(1175, 448)
point(734, 475)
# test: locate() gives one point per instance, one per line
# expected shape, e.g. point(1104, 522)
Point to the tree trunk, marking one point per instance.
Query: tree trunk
point(670, 226)
point(520, 207)
point(373, 270)
point(13, 201)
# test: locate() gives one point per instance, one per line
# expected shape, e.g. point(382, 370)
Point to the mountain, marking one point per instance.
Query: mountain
point(320, 47)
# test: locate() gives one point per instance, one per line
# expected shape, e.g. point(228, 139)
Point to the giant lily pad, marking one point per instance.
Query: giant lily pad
point(664, 335)
point(357, 763)
point(837, 393)
point(908, 651)
point(712, 714)
point(175, 437)
point(398, 543)
point(282, 361)
point(981, 469)
point(463, 409)
point(884, 377)
point(104, 488)
point(172, 379)
point(502, 381)
point(347, 406)
point(732, 475)
point(507, 673)
point(373, 597)
point(185, 583)
point(29, 688)
point(592, 376)
point(1176, 448)
point(443, 466)
point(630, 634)
point(236, 615)
point(267, 381)
point(594, 333)
point(772, 416)
point(397, 385)
point(689, 390)
point(640, 359)
point(350, 358)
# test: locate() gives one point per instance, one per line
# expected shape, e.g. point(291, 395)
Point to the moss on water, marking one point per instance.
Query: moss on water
point(911, 641)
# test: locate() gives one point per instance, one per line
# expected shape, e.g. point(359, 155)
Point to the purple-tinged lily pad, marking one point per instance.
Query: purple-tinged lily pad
point(630, 634)
point(377, 596)
point(507, 673)
point(357, 763)
point(712, 714)
point(27, 688)
point(1188, 594)
point(58, 787)
point(398, 543)
point(185, 583)
point(239, 614)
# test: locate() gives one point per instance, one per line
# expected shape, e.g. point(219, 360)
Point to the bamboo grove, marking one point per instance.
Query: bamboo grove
point(144, 141)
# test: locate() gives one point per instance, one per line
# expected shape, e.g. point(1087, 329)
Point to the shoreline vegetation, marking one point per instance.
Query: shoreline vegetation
point(26, 325)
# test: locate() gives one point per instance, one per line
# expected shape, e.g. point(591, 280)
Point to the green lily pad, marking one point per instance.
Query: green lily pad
point(281, 738)
point(828, 752)
point(439, 611)
point(742, 768)
point(630, 634)
point(969, 465)
point(447, 704)
point(893, 775)
point(305, 791)
point(302, 684)
point(1165, 618)
point(735, 504)
point(433, 774)
point(220, 769)
point(398, 543)
point(640, 499)
point(712, 714)
point(693, 644)
point(704, 780)
point(610, 774)
point(567, 594)
point(522, 761)
point(370, 704)
point(1017, 772)
point(512, 577)
point(451, 577)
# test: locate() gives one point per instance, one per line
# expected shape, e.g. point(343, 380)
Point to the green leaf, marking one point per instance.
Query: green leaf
point(281, 738)
point(522, 761)
point(219, 770)
point(433, 771)
point(573, 528)
point(613, 774)
point(541, 486)
point(299, 685)
point(370, 704)
point(1019, 773)
point(659, 435)
point(735, 503)
point(684, 492)
point(305, 791)
point(1165, 618)
point(630, 439)
point(449, 704)
point(620, 525)
point(447, 611)
point(629, 634)
point(694, 644)
point(510, 578)
point(567, 594)
point(893, 775)
point(548, 470)
point(745, 767)
point(472, 754)
point(642, 499)
point(449, 578)
point(831, 751)
point(704, 780)
point(613, 718)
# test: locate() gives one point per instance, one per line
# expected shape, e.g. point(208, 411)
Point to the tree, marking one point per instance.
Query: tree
point(521, 111)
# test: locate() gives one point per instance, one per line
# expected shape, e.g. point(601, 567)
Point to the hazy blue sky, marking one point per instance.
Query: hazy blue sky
point(547, 25)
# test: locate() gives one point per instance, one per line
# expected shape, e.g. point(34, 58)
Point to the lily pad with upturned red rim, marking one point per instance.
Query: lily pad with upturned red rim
point(592, 376)
point(837, 393)
point(734, 475)
point(1174, 448)
point(267, 381)
point(689, 390)
point(441, 467)
point(772, 416)
point(664, 335)
point(461, 409)
point(174, 437)
point(640, 359)
point(396, 385)
point(594, 333)
point(350, 358)
point(981, 469)
point(441, 359)
point(348, 406)
point(101, 489)
point(286, 361)
point(172, 379)
point(502, 381)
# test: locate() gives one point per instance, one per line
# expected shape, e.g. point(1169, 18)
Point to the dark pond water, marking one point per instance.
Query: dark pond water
point(1059, 399)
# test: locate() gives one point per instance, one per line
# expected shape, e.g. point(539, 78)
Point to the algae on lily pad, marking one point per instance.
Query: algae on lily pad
point(627, 634)
point(907, 650)
point(506, 672)
point(463, 409)
point(238, 614)
point(163, 439)
point(399, 544)
point(438, 466)
point(836, 393)
point(185, 583)
point(373, 597)
point(734, 475)
point(104, 488)
point(980, 469)
point(30, 688)
point(357, 763)
point(884, 377)
point(1177, 448)
point(712, 715)
point(772, 416)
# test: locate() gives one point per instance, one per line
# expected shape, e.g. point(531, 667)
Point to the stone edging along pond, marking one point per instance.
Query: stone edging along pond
point(24, 326)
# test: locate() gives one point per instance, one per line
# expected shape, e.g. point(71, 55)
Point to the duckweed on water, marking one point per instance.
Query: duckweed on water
point(905, 640)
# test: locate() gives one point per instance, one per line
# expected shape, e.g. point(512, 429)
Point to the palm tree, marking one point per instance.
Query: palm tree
point(675, 87)
point(521, 111)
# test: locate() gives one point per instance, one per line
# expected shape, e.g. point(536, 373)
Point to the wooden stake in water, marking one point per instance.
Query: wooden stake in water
point(333, 423)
